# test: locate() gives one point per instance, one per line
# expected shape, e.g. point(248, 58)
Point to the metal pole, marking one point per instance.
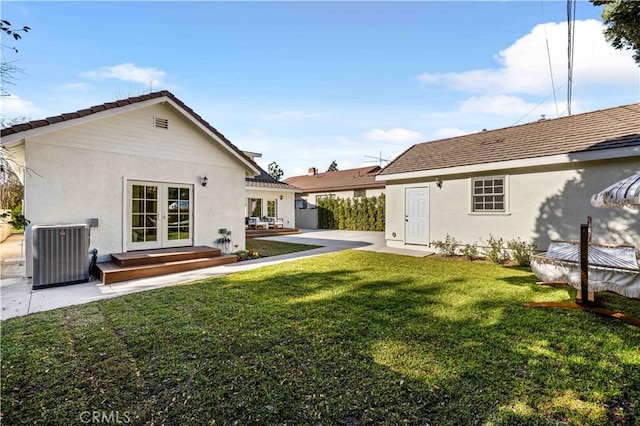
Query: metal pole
point(584, 264)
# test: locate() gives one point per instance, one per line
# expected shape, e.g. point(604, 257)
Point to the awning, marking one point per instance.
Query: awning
point(625, 193)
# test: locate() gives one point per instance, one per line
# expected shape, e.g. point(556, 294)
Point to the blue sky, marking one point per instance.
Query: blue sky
point(305, 83)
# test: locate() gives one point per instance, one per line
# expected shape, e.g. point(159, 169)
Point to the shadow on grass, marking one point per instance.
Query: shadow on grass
point(318, 342)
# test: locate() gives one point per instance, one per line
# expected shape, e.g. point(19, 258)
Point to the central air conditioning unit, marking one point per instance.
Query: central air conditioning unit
point(60, 255)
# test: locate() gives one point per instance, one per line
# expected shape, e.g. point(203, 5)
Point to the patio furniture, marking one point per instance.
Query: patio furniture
point(611, 268)
point(275, 222)
point(257, 223)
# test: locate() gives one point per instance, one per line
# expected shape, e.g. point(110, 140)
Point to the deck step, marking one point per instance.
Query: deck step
point(110, 272)
point(150, 257)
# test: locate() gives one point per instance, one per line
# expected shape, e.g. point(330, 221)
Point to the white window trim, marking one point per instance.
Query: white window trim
point(507, 208)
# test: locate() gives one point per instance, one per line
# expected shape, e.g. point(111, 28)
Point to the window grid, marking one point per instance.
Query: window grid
point(488, 194)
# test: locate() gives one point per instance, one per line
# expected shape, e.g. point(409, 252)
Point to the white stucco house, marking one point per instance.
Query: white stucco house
point(268, 197)
point(152, 171)
point(532, 181)
point(314, 186)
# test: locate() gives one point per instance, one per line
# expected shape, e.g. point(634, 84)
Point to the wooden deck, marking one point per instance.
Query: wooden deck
point(258, 233)
point(152, 263)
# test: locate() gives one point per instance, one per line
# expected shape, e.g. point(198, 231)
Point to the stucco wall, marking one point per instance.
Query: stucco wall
point(369, 192)
point(543, 204)
point(284, 207)
point(81, 173)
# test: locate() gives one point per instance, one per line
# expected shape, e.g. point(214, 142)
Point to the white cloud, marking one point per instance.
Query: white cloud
point(80, 87)
point(129, 72)
point(449, 132)
point(14, 106)
point(524, 66)
point(397, 135)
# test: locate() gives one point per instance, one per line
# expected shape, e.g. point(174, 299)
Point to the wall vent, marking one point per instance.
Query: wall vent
point(161, 123)
point(60, 255)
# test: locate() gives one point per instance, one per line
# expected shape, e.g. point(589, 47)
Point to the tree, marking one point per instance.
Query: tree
point(333, 167)
point(8, 69)
point(622, 18)
point(10, 186)
point(275, 171)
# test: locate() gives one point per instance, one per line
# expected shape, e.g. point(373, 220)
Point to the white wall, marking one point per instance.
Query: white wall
point(369, 192)
point(285, 206)
point(543, 204)
point(80, 173)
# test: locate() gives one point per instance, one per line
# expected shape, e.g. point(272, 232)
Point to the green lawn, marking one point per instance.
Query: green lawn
point(275, 248)
point(346, 338)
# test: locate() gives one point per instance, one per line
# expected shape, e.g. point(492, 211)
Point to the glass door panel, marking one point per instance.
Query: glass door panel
point(143, 215)
point(179, 215)
point(159, 215)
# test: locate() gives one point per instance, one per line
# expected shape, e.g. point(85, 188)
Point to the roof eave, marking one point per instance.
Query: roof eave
point(576, 157)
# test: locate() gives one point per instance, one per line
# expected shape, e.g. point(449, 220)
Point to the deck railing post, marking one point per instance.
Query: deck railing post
point(584, 264)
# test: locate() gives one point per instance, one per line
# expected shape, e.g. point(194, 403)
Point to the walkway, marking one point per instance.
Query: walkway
point(17, 298)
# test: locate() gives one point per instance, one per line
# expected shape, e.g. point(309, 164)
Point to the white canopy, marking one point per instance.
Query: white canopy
point(625, 193)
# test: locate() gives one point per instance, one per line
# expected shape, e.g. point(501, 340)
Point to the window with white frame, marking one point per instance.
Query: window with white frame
point(272, 208)
point(255, 207)
point(488, 194)
point(359, 193)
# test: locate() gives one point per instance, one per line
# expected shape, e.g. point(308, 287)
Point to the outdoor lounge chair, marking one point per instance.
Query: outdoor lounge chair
point(257, 223)
point(275, 222)
point(611, 267)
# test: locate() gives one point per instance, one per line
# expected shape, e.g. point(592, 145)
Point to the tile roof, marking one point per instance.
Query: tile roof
point(117, 104)
point(604, 129)
point(264, 180)
point(363, 177)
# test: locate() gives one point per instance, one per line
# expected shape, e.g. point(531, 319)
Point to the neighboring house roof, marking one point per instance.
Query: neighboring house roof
point(617, 127)
point(41, 126)
point(340, 180)
point(264, 180)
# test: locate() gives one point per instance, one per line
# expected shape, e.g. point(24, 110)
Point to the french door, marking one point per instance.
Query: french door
point(159, 215)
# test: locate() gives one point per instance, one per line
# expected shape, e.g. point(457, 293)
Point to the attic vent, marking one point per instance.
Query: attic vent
point(161, 123)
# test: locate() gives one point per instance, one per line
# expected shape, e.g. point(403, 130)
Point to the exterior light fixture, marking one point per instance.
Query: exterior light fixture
point(281, 197)
point(438, 182)
point(205, 181)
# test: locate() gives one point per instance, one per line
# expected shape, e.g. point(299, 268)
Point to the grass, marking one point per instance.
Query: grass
point(346, 338)
point(275, 248)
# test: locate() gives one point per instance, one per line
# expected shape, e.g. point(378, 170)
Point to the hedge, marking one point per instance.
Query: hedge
point(358, 214)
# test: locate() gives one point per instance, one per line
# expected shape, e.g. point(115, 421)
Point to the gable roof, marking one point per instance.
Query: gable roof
point(41, 126)
point(617, 127)
point(264, 180)
point(340, 180)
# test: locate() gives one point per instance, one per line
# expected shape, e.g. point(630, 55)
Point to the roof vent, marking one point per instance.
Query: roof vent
point(161, 123)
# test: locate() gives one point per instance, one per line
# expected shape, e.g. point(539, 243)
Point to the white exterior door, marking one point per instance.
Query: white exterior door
point(417, 216)
point(159, 215)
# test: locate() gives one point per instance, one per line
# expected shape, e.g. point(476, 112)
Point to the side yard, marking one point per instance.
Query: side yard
point(346, 338)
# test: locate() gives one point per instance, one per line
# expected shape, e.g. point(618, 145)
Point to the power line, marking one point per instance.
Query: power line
point(553, 86)
point(571, 26)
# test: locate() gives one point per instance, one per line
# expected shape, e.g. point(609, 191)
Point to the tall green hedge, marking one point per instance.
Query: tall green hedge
point(358, 214)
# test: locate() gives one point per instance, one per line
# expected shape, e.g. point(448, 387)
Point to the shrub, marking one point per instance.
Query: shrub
point(448, 246)
point(359, 214)
point(521, 251)
point(470, 251)
point(247, 254)
point(496, 252)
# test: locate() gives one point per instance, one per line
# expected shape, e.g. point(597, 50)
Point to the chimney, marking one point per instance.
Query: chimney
point(312, 171)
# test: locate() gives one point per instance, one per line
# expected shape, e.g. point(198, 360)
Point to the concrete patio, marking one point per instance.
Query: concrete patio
point(17, 297)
